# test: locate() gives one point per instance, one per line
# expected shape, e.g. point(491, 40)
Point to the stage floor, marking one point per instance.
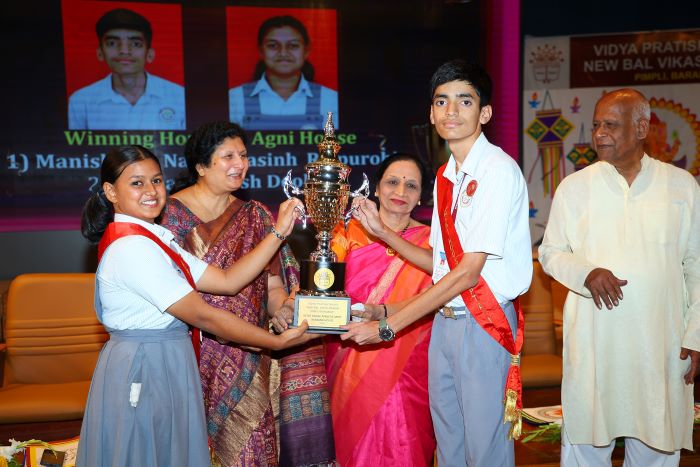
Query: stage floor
point(546, 454)
point(531, 454)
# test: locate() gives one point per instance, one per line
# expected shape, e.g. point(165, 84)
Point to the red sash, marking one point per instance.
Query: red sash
point(116, 230)
point(484, 307)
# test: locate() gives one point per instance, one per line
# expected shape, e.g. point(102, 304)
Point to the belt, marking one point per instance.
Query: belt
point(453, 312)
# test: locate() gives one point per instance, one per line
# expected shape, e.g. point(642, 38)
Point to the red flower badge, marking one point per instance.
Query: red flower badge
point(471, 188)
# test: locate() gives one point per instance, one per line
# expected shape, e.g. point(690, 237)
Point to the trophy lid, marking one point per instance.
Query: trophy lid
point(329, 148)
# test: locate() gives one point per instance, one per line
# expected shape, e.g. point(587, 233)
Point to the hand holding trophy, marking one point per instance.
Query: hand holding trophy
point(321, 300)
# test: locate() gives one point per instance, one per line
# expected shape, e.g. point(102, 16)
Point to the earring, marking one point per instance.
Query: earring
point(418, 202)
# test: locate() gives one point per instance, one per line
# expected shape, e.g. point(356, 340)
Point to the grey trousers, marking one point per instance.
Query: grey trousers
point(467, 371)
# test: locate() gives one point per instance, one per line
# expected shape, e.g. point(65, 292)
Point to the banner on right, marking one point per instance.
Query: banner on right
point(563, 78)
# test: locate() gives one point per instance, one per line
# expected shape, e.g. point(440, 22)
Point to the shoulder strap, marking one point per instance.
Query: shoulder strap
point(313, 104)
point(251, 104)
point(117, 230)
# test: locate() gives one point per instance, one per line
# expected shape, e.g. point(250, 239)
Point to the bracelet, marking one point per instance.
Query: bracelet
point(274, 232)
point(386, 312)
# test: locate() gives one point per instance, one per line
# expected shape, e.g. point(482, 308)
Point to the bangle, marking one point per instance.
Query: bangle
point(386, 312)
point(274, 232)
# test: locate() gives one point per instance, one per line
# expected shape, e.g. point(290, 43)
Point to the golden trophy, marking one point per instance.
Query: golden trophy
point(321, 300)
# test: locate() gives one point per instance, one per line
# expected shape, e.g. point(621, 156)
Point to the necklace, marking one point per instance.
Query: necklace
point(389, 250)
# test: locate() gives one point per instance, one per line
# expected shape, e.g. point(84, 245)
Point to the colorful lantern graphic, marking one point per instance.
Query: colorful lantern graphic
point(548, 129)
point(582, 154)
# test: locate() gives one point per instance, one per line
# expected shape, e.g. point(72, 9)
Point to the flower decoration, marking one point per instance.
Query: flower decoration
point(8, 453)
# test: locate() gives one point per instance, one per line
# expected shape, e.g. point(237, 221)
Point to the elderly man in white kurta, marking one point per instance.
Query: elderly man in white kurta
point(624, 237)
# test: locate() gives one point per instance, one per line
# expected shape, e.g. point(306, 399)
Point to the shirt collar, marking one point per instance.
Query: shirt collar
point(645, 161)
point(471, 162)
point(161, 232)
point(154, 88)
point(263, 86)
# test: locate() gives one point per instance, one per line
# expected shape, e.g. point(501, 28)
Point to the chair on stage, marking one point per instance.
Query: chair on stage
point(541, 362)
point(52, 343)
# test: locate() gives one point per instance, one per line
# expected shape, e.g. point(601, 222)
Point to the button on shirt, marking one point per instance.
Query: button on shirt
point(99, 107)
point(272, 104)
point(493, 220)
point(136, 281)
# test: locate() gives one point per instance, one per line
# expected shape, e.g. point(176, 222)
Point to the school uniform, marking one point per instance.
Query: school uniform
point(468, 367)
point(256, 106)
point(99, 107)
point(145, 403)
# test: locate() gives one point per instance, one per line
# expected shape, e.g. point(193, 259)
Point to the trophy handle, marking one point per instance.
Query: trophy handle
point(288, 186)
point(362, 192)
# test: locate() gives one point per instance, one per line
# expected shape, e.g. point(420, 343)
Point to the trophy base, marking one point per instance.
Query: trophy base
point(321, 301)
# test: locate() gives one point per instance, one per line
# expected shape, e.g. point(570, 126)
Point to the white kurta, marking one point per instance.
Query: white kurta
point(622, 371)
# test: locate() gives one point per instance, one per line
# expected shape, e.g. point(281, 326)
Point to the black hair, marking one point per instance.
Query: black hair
point(99, 211)
point(276, 22)
point(201, 145)
point(121, 18)
point(425, 176)
point(461, 70)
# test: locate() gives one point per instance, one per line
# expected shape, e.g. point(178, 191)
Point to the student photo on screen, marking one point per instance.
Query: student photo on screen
point(129, 98)
point(283, 94)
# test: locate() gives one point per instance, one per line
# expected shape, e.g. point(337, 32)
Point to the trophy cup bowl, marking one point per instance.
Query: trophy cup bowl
point(321, 299)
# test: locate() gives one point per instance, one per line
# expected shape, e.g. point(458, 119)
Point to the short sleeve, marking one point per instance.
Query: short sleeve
point(197, 266)
point(145, 269)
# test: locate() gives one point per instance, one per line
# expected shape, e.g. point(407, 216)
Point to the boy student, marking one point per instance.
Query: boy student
point(129, 98)
point(481, 262)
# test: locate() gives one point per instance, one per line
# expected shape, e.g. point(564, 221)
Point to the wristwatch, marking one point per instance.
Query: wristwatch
point(385, 332)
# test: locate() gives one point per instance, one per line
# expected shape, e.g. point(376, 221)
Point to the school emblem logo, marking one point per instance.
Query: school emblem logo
point(166, 113)
point(466, 198)
point(324, 278)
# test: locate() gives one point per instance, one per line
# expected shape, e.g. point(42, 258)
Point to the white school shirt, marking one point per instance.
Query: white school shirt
point(272, 104)
point(99, 107)
point(622, 371)
point(136, 281)
point(493, 221)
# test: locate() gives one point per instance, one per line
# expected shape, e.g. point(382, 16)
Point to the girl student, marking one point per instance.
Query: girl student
point(145, 403)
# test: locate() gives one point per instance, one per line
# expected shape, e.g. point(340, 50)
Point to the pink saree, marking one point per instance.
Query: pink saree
point(379, 394)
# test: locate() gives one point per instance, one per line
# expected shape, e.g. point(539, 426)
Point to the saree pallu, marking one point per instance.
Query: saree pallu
point(235, 382)
point(379, 394)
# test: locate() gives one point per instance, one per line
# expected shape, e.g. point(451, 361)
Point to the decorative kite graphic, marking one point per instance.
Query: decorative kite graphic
point(549, 129)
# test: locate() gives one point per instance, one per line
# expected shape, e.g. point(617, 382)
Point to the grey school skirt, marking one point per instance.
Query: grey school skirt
point(160, 424)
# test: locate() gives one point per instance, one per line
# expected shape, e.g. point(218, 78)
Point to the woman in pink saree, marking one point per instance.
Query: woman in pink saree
point(379, 395)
